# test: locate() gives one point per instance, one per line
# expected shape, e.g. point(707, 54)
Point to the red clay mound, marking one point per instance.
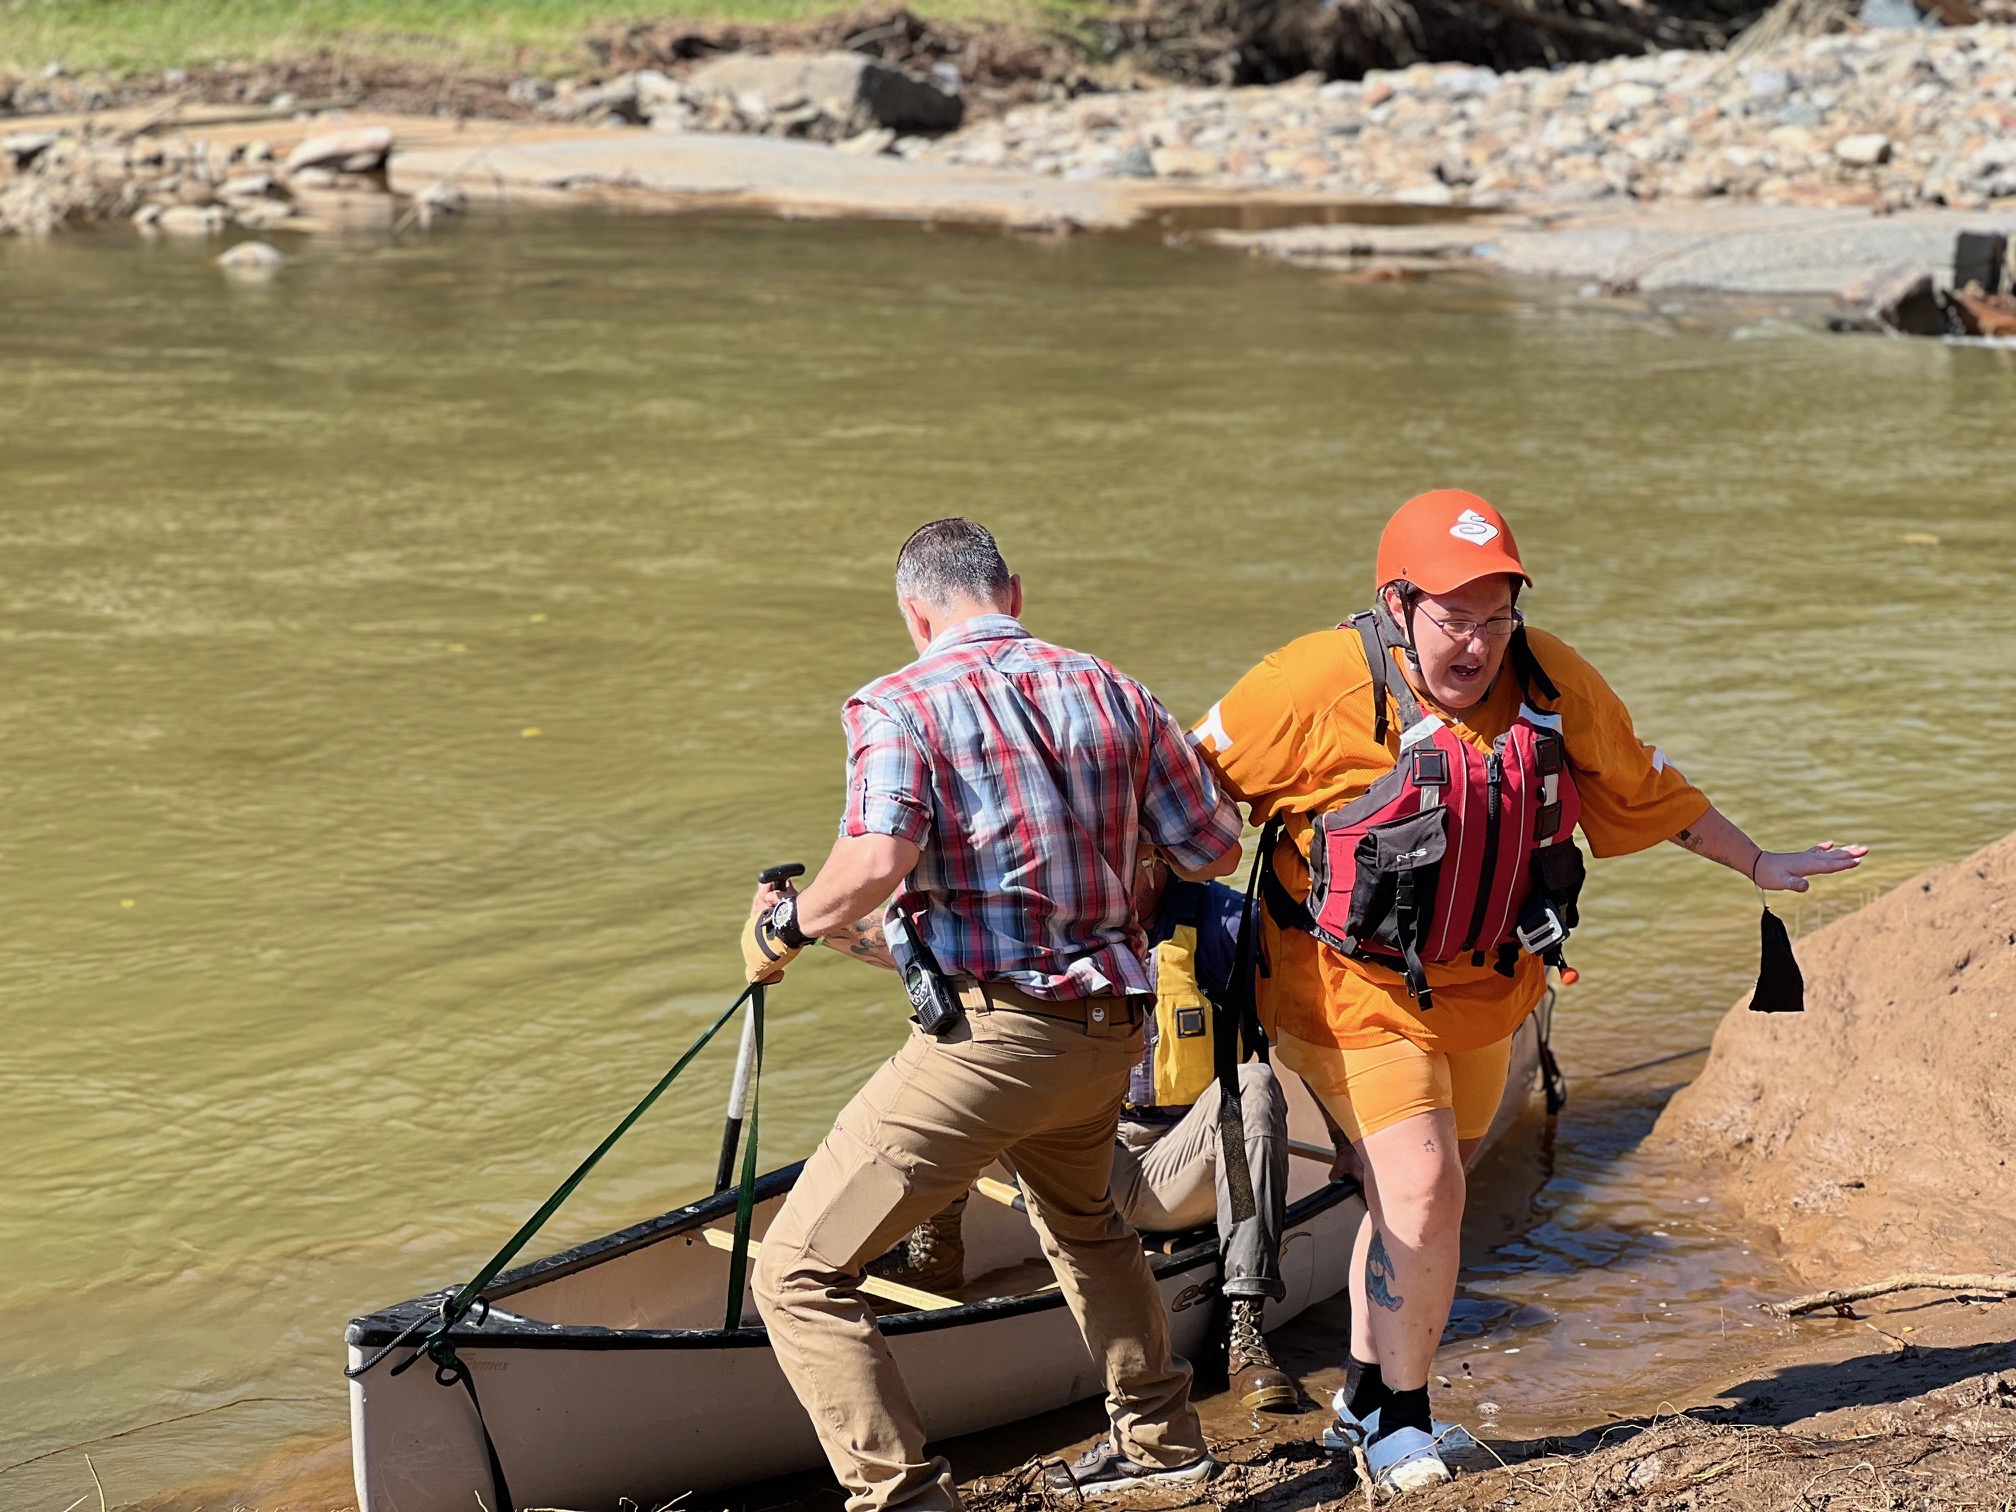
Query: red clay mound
point(1877, 1131)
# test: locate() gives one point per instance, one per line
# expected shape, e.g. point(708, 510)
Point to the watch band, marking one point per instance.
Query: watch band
point(784, 924)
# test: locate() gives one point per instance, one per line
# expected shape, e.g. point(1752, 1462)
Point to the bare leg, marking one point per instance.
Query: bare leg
point(1414, 1185)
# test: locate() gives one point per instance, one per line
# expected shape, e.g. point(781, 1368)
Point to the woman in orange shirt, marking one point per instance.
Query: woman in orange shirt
point(1433, 758)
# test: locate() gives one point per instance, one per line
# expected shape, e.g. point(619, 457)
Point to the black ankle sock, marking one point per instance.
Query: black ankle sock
point(1364, 1390)
point(1405, 1409)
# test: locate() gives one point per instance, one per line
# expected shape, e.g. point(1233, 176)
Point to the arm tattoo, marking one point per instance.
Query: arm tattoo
point(1379, 1275)
point(1692, 841)
point(864, 940)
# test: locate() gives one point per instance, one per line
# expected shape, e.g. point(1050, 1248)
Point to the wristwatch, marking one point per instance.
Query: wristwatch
point(784, 924)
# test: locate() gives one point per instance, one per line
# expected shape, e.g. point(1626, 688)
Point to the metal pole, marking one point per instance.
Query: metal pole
point(738, 1103)
point(779, 877)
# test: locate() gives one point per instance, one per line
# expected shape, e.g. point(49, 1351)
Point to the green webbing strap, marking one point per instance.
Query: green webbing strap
point(435, 1346)
point(745, 1195)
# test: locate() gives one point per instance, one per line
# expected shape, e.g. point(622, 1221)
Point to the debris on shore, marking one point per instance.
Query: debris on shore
point(1914, 300)
point(1882, 119)
point(1874, 1131)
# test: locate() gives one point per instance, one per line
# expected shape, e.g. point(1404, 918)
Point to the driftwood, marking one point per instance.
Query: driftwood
point(1915, 1281)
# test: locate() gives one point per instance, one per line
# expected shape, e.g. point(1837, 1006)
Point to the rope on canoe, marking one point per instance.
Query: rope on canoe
point(449, 1369)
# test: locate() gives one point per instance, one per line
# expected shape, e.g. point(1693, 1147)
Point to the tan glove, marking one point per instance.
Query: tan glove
point(764, 955)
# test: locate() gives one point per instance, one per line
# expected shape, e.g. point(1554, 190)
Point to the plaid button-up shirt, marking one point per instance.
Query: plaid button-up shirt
point(1030, 775)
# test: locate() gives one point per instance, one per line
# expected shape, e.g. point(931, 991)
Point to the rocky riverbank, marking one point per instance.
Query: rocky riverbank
point(194, 184)
point(1883, 119)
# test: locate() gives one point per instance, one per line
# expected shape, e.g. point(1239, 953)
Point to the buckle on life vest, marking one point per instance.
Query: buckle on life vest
point(1540, 926)
point(1431, 766)
point(1547, 823)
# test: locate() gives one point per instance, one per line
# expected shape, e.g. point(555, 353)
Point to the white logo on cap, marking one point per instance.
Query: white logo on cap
point(1472, 527)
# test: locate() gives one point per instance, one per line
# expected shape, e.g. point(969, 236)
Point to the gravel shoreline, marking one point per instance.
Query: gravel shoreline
point(1883, 120)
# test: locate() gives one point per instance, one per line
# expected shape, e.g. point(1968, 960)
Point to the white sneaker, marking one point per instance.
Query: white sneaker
point(1348, 1430)
point(1405, 1460)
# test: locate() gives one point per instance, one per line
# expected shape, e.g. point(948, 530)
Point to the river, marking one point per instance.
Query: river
point(410, 660)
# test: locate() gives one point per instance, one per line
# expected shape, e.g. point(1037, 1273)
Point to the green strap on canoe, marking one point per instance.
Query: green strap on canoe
point(436, 1347)
point(745, 1193)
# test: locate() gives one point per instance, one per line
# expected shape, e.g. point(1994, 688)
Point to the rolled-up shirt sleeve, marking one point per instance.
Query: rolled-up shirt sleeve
point(888, 785)
point(1183, 809)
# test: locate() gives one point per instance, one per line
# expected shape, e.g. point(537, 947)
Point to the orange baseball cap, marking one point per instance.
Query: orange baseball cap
point(1441, 540)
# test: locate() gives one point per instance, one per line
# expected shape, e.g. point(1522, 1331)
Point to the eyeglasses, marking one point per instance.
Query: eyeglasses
point(1464, 630)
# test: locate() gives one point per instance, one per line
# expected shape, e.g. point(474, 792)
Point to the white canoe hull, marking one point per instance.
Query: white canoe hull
point(604, 1373)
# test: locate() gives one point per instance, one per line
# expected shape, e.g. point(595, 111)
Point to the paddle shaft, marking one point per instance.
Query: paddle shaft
point(738, 1105)
point(779, 877)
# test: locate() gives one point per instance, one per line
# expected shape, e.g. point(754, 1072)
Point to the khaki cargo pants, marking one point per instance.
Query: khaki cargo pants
point(1044, 1092)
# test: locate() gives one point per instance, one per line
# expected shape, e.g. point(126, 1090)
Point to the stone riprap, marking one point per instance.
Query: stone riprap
point(1883, 118)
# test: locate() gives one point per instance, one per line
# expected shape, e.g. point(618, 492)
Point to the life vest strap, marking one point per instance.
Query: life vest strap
point(1387, 681)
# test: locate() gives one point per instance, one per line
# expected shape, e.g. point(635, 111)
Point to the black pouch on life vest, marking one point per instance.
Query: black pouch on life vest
point(1393, 894)
point(1781, 986)
point(1559, 872)
point(1408, 848)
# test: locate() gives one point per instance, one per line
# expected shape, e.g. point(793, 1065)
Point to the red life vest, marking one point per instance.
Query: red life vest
point(1455, 852)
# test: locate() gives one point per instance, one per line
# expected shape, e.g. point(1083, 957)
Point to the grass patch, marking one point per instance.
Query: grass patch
point(139, 36)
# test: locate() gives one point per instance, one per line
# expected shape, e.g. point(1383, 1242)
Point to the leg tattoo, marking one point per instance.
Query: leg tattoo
point(1379, 1275)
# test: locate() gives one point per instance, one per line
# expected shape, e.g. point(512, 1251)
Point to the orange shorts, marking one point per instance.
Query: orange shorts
point(1374, 1088)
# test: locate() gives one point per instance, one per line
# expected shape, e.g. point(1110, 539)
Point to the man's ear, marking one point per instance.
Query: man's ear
point(917, 620)
point(1015, 595)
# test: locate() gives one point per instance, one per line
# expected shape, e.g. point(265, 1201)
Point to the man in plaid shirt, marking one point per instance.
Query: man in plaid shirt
point(1011, 788)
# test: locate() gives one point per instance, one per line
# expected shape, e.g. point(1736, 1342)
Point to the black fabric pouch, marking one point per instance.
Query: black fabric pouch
point(1781, 988)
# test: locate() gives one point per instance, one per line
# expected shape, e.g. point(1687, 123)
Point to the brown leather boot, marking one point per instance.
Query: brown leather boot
point(1261, 1385)
point(932, 1256)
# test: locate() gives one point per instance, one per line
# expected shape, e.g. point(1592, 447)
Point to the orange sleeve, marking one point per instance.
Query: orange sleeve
point(1273, 739)
point(1255, 738)
point(1632, 796)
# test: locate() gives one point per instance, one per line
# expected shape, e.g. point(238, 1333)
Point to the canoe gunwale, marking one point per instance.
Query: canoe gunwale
point(504, 1330)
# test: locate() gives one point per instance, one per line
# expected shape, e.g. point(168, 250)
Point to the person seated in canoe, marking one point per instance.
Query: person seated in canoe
point(1421, 770)
point(1167, 1174)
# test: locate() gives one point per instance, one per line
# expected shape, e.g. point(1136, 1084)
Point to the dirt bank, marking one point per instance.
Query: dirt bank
point(1874, 1132)
point(1912, 1407)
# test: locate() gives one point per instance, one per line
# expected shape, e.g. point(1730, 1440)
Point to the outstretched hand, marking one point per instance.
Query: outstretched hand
point(1787, 871)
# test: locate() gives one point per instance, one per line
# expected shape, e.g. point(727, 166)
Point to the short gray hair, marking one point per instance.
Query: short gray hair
point(948, 560)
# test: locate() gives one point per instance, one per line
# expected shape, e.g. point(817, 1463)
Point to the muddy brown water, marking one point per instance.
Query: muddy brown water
point(408, 661)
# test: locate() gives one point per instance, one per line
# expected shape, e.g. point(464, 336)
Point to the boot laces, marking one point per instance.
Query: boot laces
point(1248, 1348)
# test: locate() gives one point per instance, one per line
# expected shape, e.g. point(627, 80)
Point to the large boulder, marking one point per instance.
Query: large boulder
point(1876, 1132)
point(854, 92)
point(358, 149)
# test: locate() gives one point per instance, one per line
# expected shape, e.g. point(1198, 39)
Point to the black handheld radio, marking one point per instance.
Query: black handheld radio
point(934, 1005)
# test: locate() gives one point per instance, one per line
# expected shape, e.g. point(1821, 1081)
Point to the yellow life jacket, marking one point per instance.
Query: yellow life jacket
point(1184, 1063)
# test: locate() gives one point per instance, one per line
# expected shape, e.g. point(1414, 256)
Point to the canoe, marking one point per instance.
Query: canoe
point(605, 1375)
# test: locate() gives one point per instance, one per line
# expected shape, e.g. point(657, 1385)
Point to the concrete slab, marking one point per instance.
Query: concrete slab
point(766, 174)
point(1757, 249)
